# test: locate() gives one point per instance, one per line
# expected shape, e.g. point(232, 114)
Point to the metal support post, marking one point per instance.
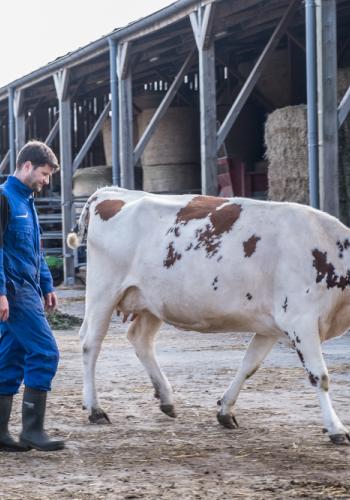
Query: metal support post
point(12, 144)
point(202, 28)
point(125, 117)
point(61, 80)
point(115, 111)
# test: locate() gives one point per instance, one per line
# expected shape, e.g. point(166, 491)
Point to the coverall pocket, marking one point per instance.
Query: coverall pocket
point(23, 239)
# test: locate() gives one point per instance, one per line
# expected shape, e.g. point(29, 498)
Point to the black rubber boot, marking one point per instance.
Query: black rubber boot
point(33, 415)
point(7, 443)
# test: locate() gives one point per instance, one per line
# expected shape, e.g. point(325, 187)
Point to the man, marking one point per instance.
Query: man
point(28, 350)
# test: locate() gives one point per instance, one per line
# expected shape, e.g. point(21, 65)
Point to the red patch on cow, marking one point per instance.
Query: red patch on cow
point(198, 208)
point(108, 208)
point(172, 256)
point(327, 270)
point(250, 245)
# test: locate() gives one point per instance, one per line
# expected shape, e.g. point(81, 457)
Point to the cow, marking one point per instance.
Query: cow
point(211, 264)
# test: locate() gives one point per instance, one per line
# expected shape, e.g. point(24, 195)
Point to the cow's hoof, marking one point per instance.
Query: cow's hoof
point(228, 421)
point(99, 417)
point(340, 439)
point(169, 410)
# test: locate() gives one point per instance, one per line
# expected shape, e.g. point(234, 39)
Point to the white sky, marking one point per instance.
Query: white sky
point(35, 32)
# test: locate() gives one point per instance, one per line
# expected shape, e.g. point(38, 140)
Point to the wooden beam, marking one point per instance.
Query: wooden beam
point(256, 72)
point(326, 29)
point(91, 137)
point(164, 105)
point(344, 108)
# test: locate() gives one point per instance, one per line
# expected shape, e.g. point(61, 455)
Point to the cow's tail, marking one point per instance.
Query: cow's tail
point(78, 233)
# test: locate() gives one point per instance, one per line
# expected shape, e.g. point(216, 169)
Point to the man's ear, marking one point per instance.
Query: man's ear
point(27, 166)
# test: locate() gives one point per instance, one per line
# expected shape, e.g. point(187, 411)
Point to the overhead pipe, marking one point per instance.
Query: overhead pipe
point(115, 111)
point(311, 88)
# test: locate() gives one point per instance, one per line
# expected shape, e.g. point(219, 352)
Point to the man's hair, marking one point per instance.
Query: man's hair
point(39, 154)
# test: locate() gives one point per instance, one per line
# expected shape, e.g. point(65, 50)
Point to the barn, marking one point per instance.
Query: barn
point(178, 102)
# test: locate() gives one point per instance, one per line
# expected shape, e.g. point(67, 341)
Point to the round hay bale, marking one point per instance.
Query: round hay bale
point(171, 160)
point(87, 180)
point(286, 152)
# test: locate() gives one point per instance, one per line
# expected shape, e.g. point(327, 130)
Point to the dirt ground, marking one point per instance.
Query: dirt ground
point(278, 451)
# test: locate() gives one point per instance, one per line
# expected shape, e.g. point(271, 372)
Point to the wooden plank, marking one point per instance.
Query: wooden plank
point(91, 137)
point(327, 107)
point(164, 105)
point(344, 108)
point(255, 73)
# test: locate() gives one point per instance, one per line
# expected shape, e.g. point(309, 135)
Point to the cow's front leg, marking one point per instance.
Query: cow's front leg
point(141, 334)
point(257, 351)
point(307, 343)
point(92, 333)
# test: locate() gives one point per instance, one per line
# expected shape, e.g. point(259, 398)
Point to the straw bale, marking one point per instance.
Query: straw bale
point(286, 152)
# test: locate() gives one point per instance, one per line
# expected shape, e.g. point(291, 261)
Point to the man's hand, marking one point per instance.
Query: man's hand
point(4, 308)
point(51, 301)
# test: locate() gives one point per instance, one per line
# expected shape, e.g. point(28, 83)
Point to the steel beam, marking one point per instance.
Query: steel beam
point(125, 119)
point(326, 30)
point(4, 162)
point(256, 72)
point(61, 81)
point(91, 137)
point(53, 132)
point(115, 111)
point(201, 22)
point(311, 88)
point(12, 140)
point(20, 121)
point(344, 108)
point(163, 107)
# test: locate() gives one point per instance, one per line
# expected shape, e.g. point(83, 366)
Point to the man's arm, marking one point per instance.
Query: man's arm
point(4, 216)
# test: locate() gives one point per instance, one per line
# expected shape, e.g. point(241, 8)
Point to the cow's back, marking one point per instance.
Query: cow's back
point(209, 263)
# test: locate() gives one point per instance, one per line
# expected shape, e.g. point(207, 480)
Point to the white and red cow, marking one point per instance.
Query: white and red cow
point(214, 265)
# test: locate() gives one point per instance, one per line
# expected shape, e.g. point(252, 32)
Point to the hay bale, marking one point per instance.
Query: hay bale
point(87, 180)
point(286, 152)
point(344, 151)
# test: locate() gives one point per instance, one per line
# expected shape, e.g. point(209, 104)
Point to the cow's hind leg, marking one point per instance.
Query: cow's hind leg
point(141, 334)
point(305, 338)
point(92, 332)
point(257, 351)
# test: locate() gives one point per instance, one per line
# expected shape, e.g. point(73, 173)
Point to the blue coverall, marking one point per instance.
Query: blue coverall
point(28, 350)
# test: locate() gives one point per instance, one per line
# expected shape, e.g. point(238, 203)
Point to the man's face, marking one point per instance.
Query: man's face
point(36, 178)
